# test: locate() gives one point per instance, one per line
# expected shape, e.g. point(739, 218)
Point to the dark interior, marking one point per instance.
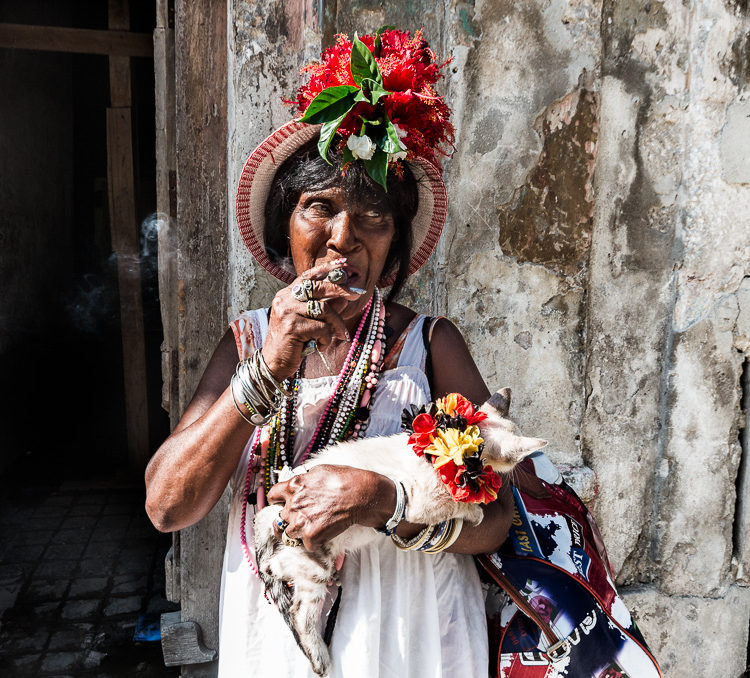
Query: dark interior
point(63, 413)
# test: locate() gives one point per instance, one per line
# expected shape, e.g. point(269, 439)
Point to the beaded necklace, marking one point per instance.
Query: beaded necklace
point(346, 414)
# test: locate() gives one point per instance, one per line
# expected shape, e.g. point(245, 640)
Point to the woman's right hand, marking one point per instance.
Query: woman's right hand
point(289, 327)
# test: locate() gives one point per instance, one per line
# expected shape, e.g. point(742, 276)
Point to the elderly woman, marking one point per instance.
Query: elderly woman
point(336, 213)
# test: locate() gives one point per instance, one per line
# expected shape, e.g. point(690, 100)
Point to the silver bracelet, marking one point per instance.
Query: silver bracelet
point(257, 418)
point(416, 541)
point(265, 371)
point(399, 511)
point(445, 538)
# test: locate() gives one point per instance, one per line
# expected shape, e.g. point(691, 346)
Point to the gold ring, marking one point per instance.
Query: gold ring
point(303, 290)
point(314, 309)
point(290, 541)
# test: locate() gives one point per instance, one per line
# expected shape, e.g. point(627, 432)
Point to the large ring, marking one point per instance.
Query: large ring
point(282, 524)
point(314, 309)
point(303, 290)
point(338, 276)
point(290, 541)
point(310, 347)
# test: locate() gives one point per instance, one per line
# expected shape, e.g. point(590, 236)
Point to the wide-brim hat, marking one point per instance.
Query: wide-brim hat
point(255, 185)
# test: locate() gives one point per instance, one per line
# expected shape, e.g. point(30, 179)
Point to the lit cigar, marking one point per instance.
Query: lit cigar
point(338, 276)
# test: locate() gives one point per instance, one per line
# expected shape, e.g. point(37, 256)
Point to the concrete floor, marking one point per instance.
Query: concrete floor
point(79, 564)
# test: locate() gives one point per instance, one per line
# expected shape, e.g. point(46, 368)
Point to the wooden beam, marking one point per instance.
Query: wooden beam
point(77, 40)
point(118, 18)
point(125, 243)
point(124, 231)
point(166, 206)
point(200, 28)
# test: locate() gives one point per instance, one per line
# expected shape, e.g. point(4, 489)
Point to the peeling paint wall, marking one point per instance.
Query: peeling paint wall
point(596, 256)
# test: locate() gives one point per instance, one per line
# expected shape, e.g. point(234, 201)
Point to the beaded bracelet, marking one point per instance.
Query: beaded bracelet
point(416, 541)
point(446, 537)
point(433, 538)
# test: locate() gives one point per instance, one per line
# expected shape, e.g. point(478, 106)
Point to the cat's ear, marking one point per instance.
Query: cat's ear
point(510, 449)
point(525, 446)
point(500, 402)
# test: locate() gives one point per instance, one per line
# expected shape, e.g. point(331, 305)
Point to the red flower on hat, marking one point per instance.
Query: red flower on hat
point(408, 70)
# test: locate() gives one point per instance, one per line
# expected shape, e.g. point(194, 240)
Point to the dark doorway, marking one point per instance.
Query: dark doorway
point(81, 568)
point(63, 413)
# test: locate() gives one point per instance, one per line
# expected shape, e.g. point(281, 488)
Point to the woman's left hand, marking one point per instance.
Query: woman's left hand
point(322, 503)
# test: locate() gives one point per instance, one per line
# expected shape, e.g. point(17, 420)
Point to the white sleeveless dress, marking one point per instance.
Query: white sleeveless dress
point(402, 614)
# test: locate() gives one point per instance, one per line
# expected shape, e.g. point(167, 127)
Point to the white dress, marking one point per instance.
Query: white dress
point(402, 614)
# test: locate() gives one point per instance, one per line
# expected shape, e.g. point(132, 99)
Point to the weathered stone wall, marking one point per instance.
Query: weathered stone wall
point(596, 256)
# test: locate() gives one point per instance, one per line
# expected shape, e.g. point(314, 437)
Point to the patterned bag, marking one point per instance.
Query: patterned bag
point(552, 607)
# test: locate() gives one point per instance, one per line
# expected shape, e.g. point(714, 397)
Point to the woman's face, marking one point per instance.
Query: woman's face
point(330, 223)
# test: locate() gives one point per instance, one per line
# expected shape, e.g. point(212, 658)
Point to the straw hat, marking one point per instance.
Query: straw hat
point(374, 93)
point(257, 177)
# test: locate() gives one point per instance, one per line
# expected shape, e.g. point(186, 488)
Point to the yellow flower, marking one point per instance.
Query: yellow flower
point(448, 404)
point(454, 445)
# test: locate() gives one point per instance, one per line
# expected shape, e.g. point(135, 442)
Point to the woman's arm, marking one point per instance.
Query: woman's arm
point(188, 473)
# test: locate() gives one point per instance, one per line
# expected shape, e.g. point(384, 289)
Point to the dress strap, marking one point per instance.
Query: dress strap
point(413, 352)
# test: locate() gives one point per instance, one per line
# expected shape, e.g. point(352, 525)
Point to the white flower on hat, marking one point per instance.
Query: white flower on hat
point(400, 131)
point(361, 147)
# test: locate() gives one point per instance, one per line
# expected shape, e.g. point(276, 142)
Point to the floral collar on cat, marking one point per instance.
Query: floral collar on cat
point(446, 433)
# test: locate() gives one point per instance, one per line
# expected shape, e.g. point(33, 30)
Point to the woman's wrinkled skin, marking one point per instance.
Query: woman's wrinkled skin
point(189, 472)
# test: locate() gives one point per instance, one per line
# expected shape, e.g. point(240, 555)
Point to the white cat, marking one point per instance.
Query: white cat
point(297, 579)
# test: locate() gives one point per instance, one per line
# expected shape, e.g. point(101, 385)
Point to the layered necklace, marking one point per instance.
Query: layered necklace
point(345, 416)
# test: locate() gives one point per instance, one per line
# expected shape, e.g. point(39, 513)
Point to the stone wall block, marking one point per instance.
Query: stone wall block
point(694, 541)
point(694, 636)
point(517, 296)
point(629, 301)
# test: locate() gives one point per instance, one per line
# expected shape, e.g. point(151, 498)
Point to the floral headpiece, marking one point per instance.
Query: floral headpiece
point(377, 94)
point(446, 433)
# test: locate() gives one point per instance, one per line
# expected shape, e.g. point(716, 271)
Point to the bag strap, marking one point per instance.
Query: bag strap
point(427, 327)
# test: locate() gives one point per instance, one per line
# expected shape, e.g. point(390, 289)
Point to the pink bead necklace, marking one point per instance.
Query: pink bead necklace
point(346, 413)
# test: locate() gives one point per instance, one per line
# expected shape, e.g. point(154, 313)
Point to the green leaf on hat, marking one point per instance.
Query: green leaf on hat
point(330, 104)
point(327, 132)
point(375, 89)
point(362, 64)
point(392, 143)
point(377, 167)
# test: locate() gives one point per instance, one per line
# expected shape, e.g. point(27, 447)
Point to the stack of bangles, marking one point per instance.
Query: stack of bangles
point(433, 539)
point(255, 388)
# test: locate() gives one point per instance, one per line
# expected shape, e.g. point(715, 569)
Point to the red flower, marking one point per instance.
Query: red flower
point(424, 431)
point(409, 69)
point(455, 404)
point(485, 487)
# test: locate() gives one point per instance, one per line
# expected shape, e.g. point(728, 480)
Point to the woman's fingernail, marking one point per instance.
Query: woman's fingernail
point(358, 290)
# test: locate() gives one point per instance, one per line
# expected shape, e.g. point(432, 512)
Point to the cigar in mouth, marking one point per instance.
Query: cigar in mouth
point(338, 276)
